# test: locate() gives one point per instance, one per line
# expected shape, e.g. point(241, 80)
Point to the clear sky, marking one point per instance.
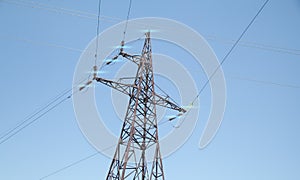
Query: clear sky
point(41, 42)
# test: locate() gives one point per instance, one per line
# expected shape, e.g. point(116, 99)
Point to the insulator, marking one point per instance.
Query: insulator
point(107, 63)
point(172, 118)
point(88, 83)
point(122, 45)
point(95, 72)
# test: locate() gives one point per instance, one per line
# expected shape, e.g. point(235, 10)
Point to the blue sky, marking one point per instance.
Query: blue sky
point(258, 139)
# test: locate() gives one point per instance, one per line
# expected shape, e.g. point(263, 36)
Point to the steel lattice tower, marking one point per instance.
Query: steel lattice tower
point(139, 135)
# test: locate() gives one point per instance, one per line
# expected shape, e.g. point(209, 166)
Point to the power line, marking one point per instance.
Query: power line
point(70, 165)
point(230, 51)
point(266, 82)
point(97, 33)
point(255, 45)
point(87, 15)
point(127, 18)
point(32, 121)
point(35, 114)
point(39, 114)
point(83, 14)
point(59, 10)
point(34, 42)
point(212, 38)
point(32, 4)
point(75, 163)
point(223, 60)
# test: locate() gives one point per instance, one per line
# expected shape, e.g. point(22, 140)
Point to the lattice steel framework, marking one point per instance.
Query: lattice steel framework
point(139, 135)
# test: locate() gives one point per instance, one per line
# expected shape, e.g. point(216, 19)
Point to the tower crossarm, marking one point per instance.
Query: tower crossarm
point(133, 58)
point(122, 87)
point(166, 102)
point(126, 89)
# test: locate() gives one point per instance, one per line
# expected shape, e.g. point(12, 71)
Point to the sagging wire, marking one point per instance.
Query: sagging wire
point(77, 162)
point(224, 59)
point(95, 68)
point(126, 24)
point(97, 41)
point(125, 30)
point(38, 114)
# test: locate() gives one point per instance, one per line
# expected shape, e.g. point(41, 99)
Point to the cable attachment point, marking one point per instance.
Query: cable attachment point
point(119, 54)
point(186, 109)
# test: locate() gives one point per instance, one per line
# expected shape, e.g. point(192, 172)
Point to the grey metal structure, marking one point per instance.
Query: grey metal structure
point(139, 134)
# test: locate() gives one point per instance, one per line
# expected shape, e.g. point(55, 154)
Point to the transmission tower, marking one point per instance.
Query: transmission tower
point(139, 135)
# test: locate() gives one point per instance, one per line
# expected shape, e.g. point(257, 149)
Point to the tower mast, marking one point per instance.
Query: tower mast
point(139, 134)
